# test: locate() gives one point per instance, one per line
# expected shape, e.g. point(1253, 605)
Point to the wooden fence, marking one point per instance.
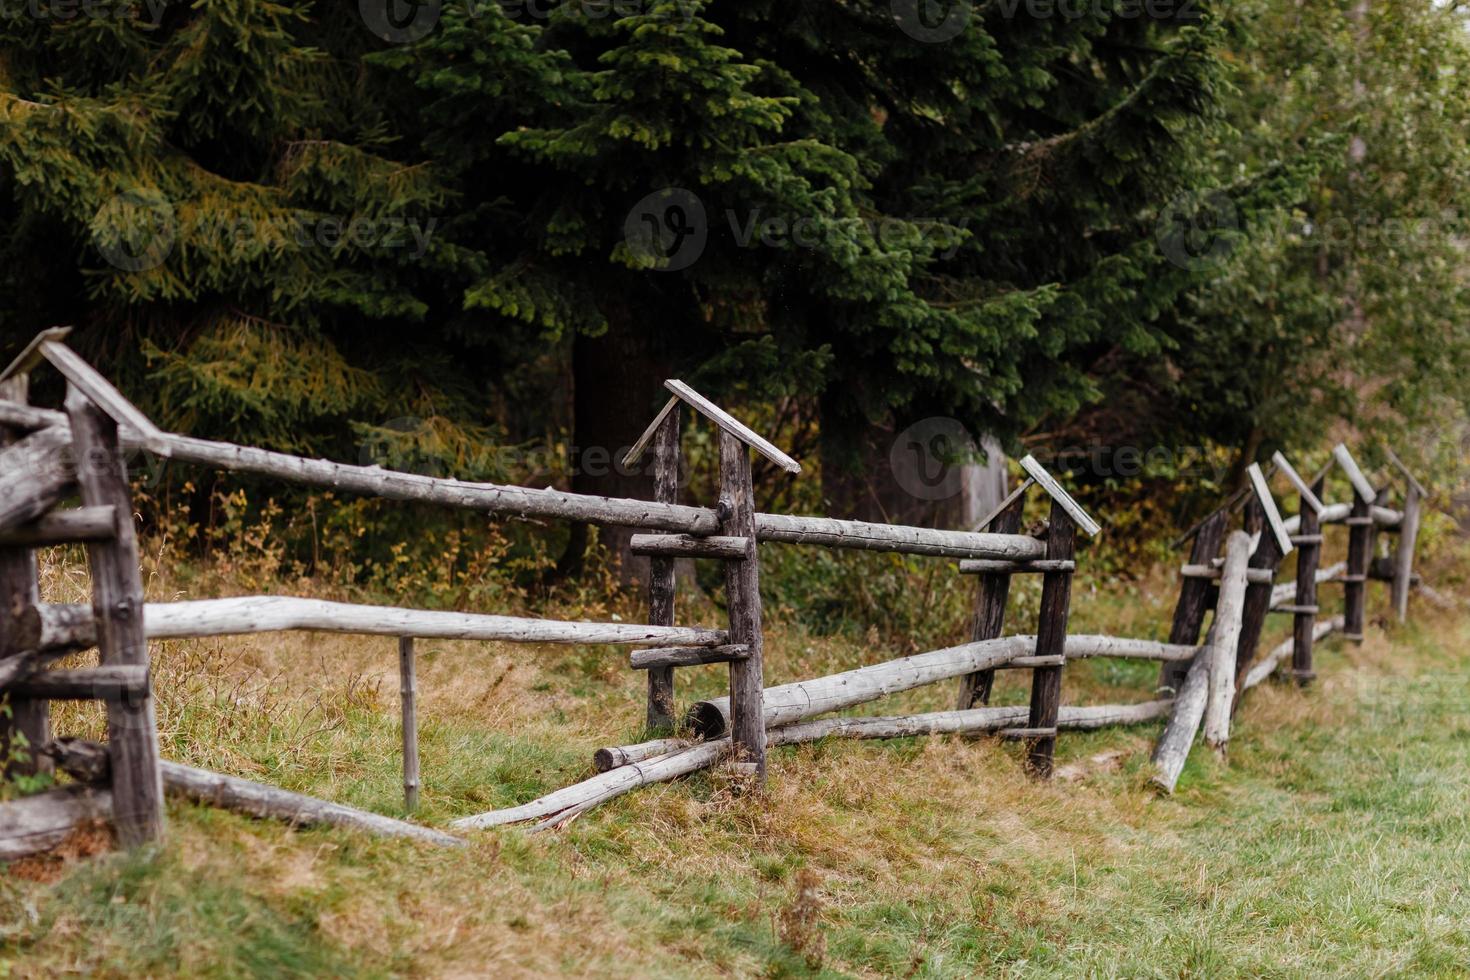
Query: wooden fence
point(50, 456)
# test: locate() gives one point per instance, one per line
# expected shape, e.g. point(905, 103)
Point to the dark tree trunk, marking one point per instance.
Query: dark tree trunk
point(617, 381)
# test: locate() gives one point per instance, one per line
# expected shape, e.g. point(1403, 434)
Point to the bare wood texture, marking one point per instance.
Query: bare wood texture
point(555, 808)
point(687, 656)
point(743, 602)
point(89, 383)
point(1172, 750)
point(62, 527)
point(119, 681)
point(36, 824)
point(1195, 595)
point(662, 582)
point(268, 802)
point(983, 567)
point(1385, 517)
point(1286, 591)
point(1355, 588)
point(86, 762)
point(1212, 573)
point(273, 614)
point(1311, 499)
point(408, 691)
point(35, 475)
point(1228, 615)
point(1269, 510)
point(992, 591)
point(614, 756)
point(1060, 496)
point(1051, 639)
point(863, 536)
point(1404, 557)
point(687, 546)
point(1268, 664)
point(1268, 556)
point(521, 501)
point(731, 426)
point(1361, 487)
point(29, 721)
point(1304, 622)
point(641, 444)
point(787, 703)
point(117, 610)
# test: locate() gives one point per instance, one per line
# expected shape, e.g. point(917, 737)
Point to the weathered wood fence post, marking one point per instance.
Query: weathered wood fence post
point(1403, 571)
point(743, 597)
point(117, 607)
point(1308, 540)
point(1360, 545)
point(408, 687)
point(662, 570)
point(1051, 641)
point(991, 594)
point(1275, 544)
point(1196, 595)
point(19, 591)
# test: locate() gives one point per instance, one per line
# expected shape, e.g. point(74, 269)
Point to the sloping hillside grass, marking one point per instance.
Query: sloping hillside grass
point(1334, 843)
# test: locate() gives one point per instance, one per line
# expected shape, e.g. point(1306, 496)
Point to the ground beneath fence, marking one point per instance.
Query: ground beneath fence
point(1335, 842)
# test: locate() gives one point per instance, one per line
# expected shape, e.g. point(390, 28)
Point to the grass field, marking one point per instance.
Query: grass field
point(1335, 842)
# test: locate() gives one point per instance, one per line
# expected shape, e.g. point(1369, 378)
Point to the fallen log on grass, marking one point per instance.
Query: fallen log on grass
point(268, 802)
point(47, 820)
point(789, 703)
point(561, 806)
point(36, 824)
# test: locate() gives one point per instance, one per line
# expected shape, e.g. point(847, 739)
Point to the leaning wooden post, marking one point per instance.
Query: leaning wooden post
point(117, 607)
point(661, 582)
point(1196, 596)
point(743, 597)
point(991, 595)
point(1403, 572)
point(1051, 640)
point(408, 688)
point(1274, 546)
point(1224, 642)
point(1308, 540)
point(19, 591)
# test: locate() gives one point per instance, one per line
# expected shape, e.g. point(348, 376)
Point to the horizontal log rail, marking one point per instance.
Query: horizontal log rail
point(687, 656)
point(547, 503)
point(63, 527)
point(113, 682)
point(72, 626)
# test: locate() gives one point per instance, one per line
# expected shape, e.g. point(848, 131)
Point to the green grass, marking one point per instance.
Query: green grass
point(1334, 843)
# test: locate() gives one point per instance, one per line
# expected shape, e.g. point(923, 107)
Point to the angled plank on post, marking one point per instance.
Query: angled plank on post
point(32, 355)
point(101, 392)
point(730, 424)
point(1269, 509)
point(1308, 497)
point(641, 446)
point(1398, 464)
point(1000, 508)
point(1355, 476)
point(1074, 510)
